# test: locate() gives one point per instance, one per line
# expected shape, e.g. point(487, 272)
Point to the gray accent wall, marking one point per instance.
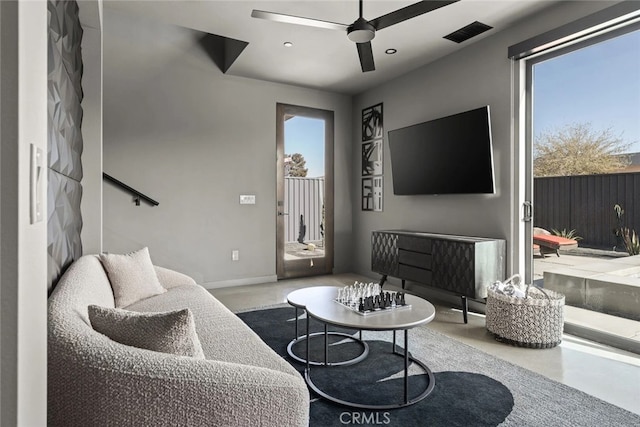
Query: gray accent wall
point(194, 139)
point(64, 90)
point(478, 75)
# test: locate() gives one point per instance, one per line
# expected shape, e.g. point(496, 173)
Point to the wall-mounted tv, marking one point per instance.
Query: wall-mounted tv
point(449, 155)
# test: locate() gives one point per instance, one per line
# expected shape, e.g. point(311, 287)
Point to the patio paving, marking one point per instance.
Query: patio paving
point(592, 320)
point(570, 259)
point(295, 250)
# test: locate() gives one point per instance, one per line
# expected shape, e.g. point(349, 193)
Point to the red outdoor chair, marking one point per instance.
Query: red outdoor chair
point(549, 243)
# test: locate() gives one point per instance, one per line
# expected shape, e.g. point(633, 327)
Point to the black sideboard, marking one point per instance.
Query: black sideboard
point(463, 265)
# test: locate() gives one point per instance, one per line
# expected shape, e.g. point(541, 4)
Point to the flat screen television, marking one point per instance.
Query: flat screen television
point(449, 155)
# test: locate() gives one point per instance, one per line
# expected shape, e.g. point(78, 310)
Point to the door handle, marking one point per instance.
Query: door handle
point(528, 211)
point(282, 213)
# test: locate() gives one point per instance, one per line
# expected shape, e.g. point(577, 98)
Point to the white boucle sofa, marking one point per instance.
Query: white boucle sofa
point(94, 381)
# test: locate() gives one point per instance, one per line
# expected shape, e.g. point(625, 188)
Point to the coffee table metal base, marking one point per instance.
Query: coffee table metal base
point(406, 401)
point(365, 350)
point(326, 333)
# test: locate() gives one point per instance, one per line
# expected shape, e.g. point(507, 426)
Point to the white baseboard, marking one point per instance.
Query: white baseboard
point(240, 282)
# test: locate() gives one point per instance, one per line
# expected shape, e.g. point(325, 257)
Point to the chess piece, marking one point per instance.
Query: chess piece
point(387, 300)
point(369, 304)
point(378, 301)
point(399, 297)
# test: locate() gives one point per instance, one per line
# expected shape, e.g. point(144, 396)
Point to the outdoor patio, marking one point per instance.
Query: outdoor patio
point(587, 319)
point(295, 250)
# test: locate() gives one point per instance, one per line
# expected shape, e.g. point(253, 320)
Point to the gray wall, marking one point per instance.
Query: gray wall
point(91, 205)
point(65, 144)
point(194, 139)
point(472, 77)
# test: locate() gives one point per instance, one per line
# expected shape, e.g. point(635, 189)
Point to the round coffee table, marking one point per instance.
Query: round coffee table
point(325, 309)
point(299, 300)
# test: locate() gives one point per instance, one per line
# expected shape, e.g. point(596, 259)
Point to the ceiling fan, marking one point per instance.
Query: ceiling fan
point(361, 31)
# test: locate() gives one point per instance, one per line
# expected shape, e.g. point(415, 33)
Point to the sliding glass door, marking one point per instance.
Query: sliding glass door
point(583, 159)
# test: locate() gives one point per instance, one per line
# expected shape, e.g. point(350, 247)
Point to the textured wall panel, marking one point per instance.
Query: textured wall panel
point(64, 223)
point(64, 90)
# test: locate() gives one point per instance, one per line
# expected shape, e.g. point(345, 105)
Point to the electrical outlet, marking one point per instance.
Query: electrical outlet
point(235, 255)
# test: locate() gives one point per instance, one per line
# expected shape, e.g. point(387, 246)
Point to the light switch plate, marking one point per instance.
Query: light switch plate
point(247, 199)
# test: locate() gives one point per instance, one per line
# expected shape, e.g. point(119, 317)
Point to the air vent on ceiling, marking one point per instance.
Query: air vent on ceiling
point(465, 33)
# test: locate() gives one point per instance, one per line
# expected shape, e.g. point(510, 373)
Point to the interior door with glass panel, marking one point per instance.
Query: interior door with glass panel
point(304, 217)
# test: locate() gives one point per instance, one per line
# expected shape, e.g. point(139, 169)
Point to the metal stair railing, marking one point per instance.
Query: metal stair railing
point(138, 195)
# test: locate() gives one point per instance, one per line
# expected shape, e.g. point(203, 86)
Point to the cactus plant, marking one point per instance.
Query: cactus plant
point(571, 234)
point(631, 241)
point(628, 236)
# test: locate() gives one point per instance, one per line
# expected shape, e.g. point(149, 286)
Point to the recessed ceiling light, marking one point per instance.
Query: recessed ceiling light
point(288, 44)
point(390, 51)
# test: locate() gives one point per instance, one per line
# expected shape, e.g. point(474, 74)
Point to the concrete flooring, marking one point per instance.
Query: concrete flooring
point(610, 374)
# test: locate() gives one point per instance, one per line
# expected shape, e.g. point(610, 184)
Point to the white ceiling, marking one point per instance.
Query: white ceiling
point(327, 59)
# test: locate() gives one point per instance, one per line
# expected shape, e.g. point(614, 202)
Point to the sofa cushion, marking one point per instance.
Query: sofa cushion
point(166, 332)
point(132, 276)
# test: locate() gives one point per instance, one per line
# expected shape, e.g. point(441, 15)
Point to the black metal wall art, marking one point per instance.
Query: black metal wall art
point(372, 158)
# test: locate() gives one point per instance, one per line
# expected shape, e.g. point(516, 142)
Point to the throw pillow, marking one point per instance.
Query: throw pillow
point(132, 276)
point(168, 332)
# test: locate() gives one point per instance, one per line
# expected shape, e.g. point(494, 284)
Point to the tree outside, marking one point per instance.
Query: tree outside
point(578, 149)
point(294, 165)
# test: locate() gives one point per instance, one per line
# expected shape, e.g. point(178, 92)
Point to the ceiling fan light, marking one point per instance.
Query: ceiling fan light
point(361, 36)
point(361, 31)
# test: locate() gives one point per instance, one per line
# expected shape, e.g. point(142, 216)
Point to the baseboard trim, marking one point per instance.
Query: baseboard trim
point(240, 282)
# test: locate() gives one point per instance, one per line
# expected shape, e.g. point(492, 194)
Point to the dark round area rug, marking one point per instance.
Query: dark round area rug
point(458, 399)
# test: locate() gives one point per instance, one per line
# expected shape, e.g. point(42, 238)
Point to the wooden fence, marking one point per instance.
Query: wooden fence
point(303, 196)
point(585, 204)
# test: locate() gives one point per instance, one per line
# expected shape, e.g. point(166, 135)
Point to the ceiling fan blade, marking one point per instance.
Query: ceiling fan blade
point(365, 52)
point(408, 12)
point(290, 19)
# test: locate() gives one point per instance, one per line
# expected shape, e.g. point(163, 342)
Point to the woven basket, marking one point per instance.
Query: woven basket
point(536, 321)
